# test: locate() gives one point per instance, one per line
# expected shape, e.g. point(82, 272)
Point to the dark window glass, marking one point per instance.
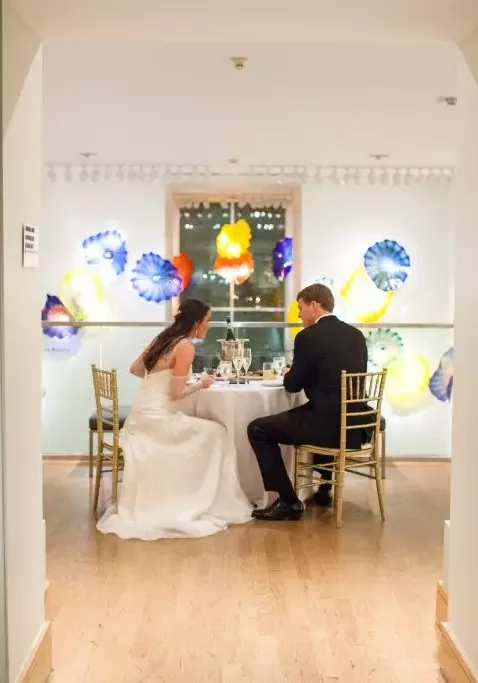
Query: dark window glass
point(199, 228)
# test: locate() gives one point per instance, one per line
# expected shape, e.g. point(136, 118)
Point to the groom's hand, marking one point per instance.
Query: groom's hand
point(285, 371)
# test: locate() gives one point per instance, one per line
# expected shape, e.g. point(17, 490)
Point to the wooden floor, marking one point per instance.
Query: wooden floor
point(296, 602)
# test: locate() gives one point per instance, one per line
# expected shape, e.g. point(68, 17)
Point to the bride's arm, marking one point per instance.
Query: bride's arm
point(137, 368)
point(181, 365)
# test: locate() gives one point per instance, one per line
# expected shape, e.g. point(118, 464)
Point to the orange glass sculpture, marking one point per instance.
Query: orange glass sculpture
point(184, 266)
point(236, 270)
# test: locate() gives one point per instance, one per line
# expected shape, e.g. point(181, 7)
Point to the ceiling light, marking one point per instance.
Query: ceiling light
point(238, 62)
point(88, 155)
point(379, 157)
point(449, 100)
point(233, 160)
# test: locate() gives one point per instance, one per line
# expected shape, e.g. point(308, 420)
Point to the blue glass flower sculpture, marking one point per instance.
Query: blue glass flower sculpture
point(282, 258)
point(156, 279)
point(106, 250)
point(384, 346)
point(55, 311)
point(387, 264)
point(441, 382)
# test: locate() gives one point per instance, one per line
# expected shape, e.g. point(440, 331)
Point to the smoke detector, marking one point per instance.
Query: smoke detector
point(378, 157)
point(238, 62)
point(88, 155)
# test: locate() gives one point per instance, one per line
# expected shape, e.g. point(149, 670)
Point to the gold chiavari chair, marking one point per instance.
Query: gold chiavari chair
point(356, 388)
point(108, 429)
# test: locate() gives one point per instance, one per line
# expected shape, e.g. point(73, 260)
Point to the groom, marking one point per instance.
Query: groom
point(324, 348)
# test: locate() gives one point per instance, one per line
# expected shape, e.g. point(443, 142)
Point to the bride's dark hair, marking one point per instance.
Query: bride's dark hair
point(190, 313)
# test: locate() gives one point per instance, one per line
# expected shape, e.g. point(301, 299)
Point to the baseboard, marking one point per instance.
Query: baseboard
point(71, 459)
point(441, 609)
point(452, 661)
point(38, 665)
point(406, 459)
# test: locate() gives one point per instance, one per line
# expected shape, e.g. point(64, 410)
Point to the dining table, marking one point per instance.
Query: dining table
point(235, 405)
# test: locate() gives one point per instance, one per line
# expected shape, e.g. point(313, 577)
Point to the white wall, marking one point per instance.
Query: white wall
point(338, 224)
point(22, 168)
point(463, 534)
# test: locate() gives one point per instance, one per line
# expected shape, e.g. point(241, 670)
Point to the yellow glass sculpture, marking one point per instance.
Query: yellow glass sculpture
point(233, 240)
point(364, 301)
point(406, 386)
point(293, 317)
point(81, 291)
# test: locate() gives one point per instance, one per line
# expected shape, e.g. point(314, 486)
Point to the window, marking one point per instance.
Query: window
point(261, 298)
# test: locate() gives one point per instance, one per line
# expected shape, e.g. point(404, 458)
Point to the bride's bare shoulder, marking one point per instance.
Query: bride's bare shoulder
point(183, 349)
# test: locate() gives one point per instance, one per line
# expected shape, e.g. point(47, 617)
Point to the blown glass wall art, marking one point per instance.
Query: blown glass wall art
point(155, 279)
point(282, 258)
point(55, 311)
point(62, 341)
point(185, 268)
point(387, 264)
point(441, 382)
point(107, 252)
point(406, 387)
point(364, 302)
point(293, 317)
point(233, 240)
point(384, 346)
point(81, 290)
point(235, 270)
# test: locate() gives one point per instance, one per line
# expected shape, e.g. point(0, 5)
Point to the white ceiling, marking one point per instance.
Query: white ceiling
point(300, 104)
point(258, 21)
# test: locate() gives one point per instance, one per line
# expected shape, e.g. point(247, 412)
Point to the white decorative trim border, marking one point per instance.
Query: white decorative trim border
point(177, 173)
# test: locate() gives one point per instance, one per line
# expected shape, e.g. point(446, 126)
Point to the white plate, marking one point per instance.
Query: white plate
point(273, 382)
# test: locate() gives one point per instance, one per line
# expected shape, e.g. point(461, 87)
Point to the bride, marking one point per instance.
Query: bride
point(180, 477)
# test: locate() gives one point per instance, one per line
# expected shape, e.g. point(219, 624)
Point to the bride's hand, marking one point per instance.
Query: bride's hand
point(206, 381)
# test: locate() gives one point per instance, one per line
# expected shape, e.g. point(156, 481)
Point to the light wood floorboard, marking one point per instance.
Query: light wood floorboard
point(290, 603)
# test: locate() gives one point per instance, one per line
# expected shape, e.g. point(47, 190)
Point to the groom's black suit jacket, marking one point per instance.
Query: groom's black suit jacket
point(321, 352)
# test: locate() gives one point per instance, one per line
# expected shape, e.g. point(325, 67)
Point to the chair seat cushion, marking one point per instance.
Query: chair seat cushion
point(123, 411)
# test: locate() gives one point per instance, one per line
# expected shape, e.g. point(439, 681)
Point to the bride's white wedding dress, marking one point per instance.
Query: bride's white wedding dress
point(180, 476)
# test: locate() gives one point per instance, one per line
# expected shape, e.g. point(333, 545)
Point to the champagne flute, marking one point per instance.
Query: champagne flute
point(237, 360)
point(247, 361)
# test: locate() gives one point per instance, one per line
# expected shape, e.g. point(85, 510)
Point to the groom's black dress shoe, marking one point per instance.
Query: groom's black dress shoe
point(280, 512)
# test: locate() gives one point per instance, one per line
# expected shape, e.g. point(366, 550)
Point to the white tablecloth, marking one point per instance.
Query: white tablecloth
point(235, 406)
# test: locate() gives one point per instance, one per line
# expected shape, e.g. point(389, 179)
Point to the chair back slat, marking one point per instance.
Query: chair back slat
point(105, 383)
point(361, 388)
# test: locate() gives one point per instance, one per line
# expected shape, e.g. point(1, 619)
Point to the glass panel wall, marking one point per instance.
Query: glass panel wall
point(417, 405)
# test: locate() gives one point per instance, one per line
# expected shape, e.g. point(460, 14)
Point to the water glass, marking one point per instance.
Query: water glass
point(268, 372)
point(225, 370)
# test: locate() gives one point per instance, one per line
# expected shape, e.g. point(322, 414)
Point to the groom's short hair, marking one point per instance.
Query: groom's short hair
point(319, 293)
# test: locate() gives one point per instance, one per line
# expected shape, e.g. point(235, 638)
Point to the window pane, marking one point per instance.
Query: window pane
point(198, 229)
point(268, 227)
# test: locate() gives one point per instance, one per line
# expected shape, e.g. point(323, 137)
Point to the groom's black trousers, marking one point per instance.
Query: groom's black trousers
point(295, 427)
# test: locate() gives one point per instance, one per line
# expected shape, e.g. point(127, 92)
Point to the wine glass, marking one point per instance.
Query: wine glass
point(279, 364)
point(237, 361)
point(247, 361)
